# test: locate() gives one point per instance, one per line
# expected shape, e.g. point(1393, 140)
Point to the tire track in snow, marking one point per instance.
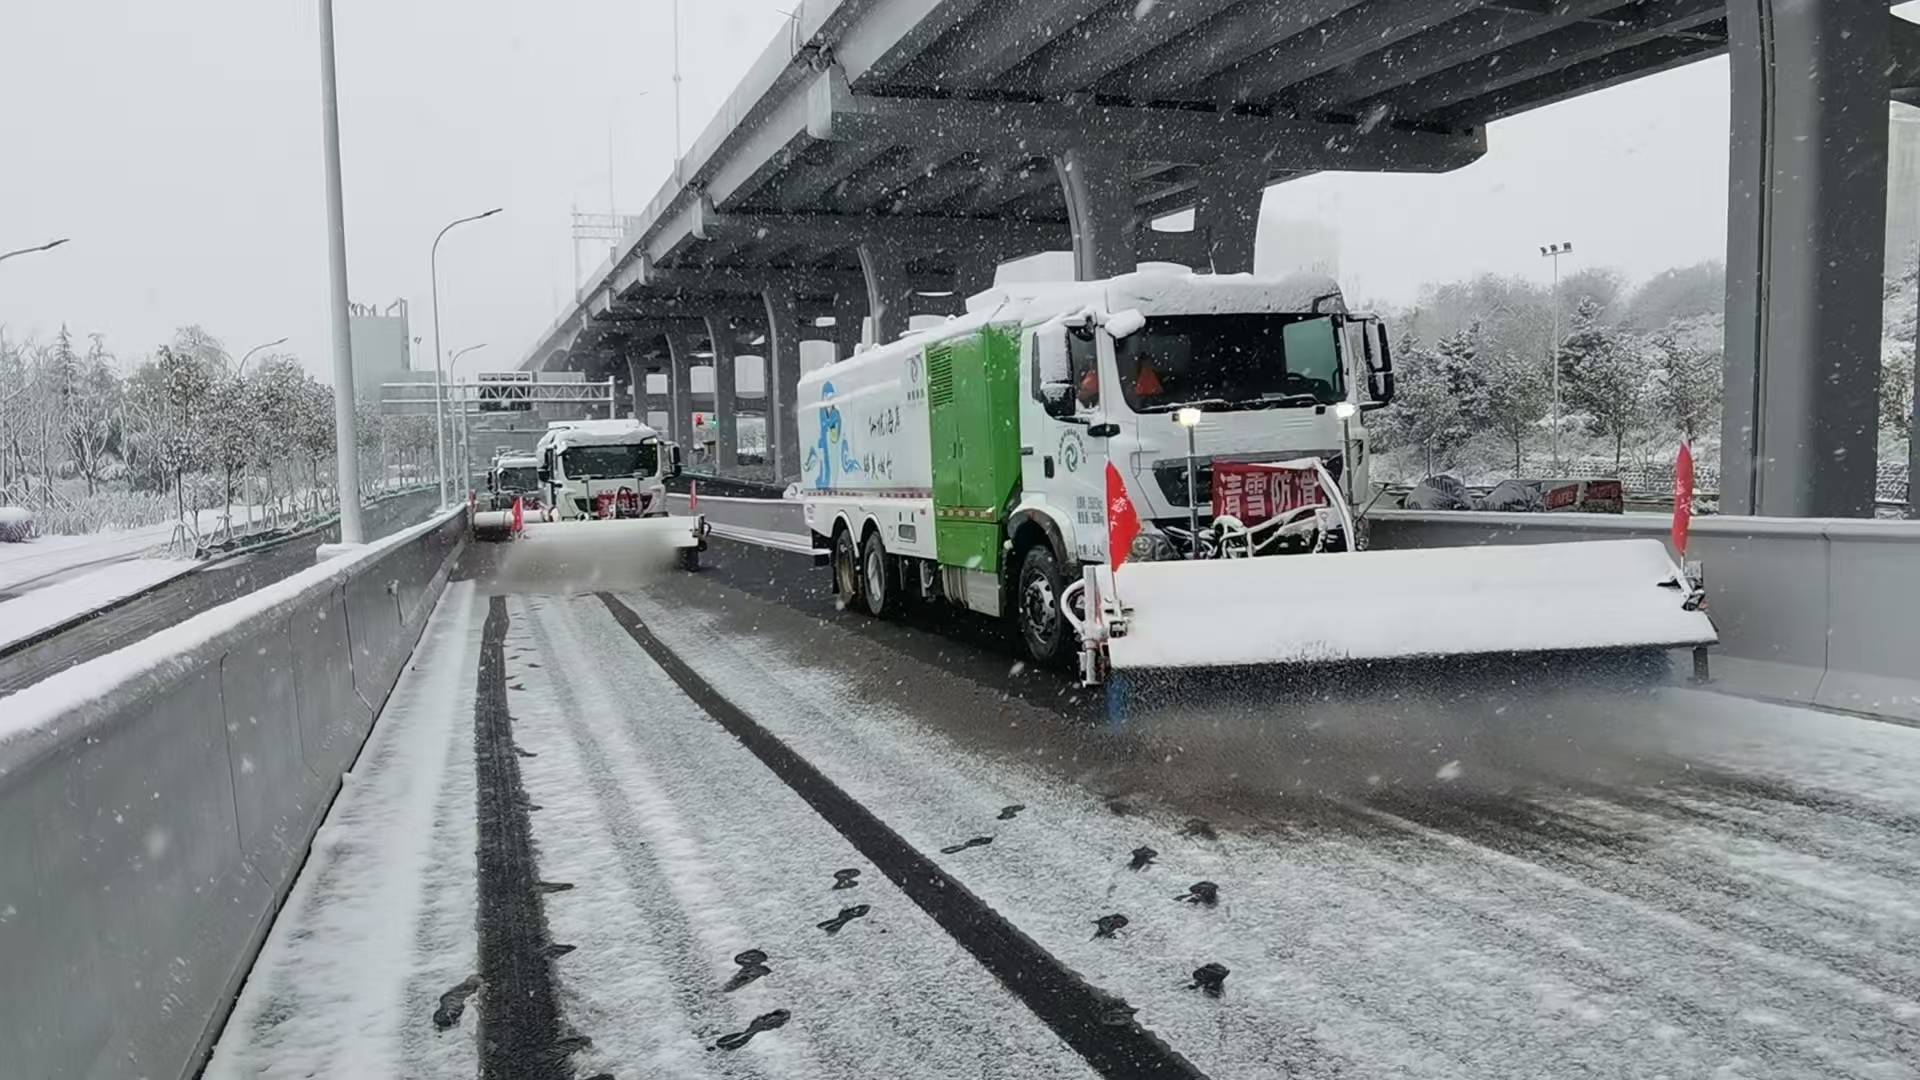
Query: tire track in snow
point(891, 974)
point(677, 931)
point(520, 1034)
point(1597, 966)
point(1098, 1025)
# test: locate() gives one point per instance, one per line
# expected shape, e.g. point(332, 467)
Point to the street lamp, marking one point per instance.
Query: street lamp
point(439, 376)
point(1189, 418)
point(48, 246)
point(1554, 251)
point(464, 438)
point(248, 355)
point(346, 437)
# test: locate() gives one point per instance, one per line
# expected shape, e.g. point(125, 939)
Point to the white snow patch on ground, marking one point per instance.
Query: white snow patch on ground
point(684, 850)
point(1439, 933)
point(381, 919)
point(52, 604)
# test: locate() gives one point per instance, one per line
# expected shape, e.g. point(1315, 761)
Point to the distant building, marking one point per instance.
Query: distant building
point(382, 347)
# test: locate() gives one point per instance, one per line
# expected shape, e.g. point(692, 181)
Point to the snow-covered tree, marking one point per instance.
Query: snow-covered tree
point(1688, 381)
point(1518, 396)
point(1604, 376)
point(1426, 416)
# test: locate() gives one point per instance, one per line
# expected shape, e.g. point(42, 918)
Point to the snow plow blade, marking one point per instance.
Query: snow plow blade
point(1420, 604)
point(587, 555)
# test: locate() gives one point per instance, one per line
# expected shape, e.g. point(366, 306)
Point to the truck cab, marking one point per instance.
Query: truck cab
point(514, 476)
point(1259, 371)
point(604, 468)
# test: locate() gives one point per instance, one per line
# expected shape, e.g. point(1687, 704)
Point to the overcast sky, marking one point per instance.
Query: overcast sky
point(178, 145)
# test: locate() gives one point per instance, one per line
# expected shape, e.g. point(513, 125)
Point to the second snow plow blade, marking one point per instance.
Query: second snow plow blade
point(1430, 603)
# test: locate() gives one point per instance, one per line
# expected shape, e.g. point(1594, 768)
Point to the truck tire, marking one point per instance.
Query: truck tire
point(846, 568)
point(879, 579)
point(1044, 634)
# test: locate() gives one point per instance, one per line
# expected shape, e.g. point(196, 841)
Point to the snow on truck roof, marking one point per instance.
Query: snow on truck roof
point(516, 461)
point(596, 433)
point(1149, 292)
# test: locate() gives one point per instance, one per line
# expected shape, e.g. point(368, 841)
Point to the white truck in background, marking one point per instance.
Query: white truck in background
point(968, 464)
point(604, 468)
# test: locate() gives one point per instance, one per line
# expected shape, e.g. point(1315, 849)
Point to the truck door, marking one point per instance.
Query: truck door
point(1062, 463)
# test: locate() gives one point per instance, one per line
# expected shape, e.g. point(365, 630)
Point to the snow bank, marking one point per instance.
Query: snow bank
point(41, 717)
point(25, 616)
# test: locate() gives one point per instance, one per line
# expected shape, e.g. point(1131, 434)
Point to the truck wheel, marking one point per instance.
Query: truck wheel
point(1036, 605)
point(690, 559)
point(880, 578)
point(846, 568)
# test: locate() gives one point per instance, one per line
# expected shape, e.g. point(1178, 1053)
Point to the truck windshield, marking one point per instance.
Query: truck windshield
point(606, 462)
point(519, 478)
point(1246, 361)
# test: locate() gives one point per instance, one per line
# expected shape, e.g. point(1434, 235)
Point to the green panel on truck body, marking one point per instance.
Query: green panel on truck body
point(973, 397)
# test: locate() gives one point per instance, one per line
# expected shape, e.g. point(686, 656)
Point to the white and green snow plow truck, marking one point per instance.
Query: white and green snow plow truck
point(968, 464)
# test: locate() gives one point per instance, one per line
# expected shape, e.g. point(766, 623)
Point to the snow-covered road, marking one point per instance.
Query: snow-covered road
point(1680, 885)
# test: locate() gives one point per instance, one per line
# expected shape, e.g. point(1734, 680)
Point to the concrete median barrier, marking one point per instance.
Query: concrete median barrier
point(1820, 611)
point(156, 803)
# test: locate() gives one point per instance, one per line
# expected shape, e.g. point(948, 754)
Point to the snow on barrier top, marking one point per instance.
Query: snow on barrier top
point(40, 718)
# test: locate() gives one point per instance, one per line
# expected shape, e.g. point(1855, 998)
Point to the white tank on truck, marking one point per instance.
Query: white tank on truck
point(969, 464)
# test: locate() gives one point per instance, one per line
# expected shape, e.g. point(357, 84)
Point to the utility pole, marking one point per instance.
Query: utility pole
point(679, 145)
point(346, 442)
point(1554, 251)
point(439, 373)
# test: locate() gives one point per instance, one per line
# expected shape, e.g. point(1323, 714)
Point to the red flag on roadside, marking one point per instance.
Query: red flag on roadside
point(518, 514)
point(1682, 498)
point(1123, 521)
point(693, 496)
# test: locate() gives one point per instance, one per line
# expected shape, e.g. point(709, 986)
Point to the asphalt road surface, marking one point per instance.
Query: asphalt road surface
point(709, 825)
point(228, 578)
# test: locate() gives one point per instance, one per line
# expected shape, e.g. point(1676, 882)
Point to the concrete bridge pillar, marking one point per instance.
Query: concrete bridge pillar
point(847, 316)
point(680, 347)
point(1228, 213)
point(783, 381)
point(1806, 233)
point(637, 365)
point(1100, 211)
point(889, 295)
point(726, 415)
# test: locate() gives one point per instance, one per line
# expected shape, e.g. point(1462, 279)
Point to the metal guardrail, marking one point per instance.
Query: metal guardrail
point(156, 803)
point(1821, 611)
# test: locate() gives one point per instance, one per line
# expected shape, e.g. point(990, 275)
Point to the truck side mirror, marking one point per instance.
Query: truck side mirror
point(546, 475)
point(673, 460)
point(1379, 364)
point(1050, 344)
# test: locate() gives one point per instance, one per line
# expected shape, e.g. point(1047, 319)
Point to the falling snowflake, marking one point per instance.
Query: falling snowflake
point(1449, 771)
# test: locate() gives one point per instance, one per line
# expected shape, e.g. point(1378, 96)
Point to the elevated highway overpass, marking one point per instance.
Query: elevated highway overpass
point(881, 157)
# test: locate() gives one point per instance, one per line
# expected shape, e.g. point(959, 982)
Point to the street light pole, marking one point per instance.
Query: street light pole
point(1189, 418)
point(346, 449)
point(465, 451)
point(248, 355)
point(48, 246)
point(1554, 251)
point(439, 374)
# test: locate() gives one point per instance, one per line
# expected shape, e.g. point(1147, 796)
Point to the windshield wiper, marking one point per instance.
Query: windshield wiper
point(1204, 404)
point(1287, 401)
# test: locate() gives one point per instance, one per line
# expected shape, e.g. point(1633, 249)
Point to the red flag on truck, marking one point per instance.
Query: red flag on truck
point(1682, 498)
point(1123, 522)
